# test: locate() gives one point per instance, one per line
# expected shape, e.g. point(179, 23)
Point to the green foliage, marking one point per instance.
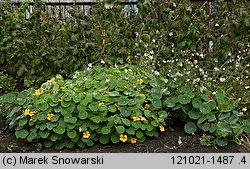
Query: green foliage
point(97, 105)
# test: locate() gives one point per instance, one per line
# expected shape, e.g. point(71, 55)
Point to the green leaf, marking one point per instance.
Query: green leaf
point(205, 108)
point(233, 119)
point(21, 133)
point(113, 94)
point(43, 106)
point(65, 104)
point(96, 119)
point(170, 102)
point(190, 127)
point(94, 106)
point(70, 144)
point(126, 122)
point(222, 142)
point(106, 130)
point(22, 122)
point(71, 134)
point(112, 108)
point(55, 118)
point(50, 126)
point(14, 110)
point(41, 116)
point(125, 111)
point(43, 133)
point(146, 37)
point(83, 115)
point(115, 138)
point(120, 129)
point(131, 130)
point(184, 99)
point(104, 139)
point(9, 98)
point(53, 137)
point(196, 102)
point(123, 101)
point(194, 114)
point(77, 98)
point(31, 136)
point(156, 103)
point(38, 146)
point(139, 134)
point(59, 129)
point(156, 92)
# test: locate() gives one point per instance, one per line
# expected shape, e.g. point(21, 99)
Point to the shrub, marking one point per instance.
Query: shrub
point(98, 105)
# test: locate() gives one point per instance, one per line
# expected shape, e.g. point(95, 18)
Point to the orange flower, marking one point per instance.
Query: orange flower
point(86, 134)
point(133, 140)
point(162, 129)
point(123, 138)
point(147, 106)
point(116, 104)
point(37, 92)
point(142, 118)
point(140, 81)
point(139, 90)
point(100, 103)
point(136, 118)
point(49, 116)
point(31, 114)
point(31, 119)
point(27, 112)
point(61, 100)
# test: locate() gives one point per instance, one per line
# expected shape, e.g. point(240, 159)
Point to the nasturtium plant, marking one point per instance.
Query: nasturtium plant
point(97, 105)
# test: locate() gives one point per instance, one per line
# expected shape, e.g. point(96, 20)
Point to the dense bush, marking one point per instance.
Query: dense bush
point(125, 104)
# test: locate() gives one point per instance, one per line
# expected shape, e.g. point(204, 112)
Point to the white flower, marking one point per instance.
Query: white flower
point(164, 61)
point(244, 109)
point(179, 140)
point(156, 73)
point(136, 34)
point(247, 87)
point(222, 79)
point(90, 65)
point(216, 69)
point(217, 25)
point(153, 40)
point(214, 93)
point(171, 34)
point(80, 129)
point(174, 5)
point(102, 61)
point(136, 44)
point(107, 80)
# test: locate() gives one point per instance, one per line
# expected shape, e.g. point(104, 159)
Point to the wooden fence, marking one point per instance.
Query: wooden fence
point(61, 8)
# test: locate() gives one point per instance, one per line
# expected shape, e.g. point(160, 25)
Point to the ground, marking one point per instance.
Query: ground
point(167, 142)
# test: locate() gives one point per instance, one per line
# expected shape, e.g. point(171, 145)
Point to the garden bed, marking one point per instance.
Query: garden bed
point(166, 143)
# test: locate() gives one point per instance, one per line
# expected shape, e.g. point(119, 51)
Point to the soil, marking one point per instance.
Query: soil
point(167, 142)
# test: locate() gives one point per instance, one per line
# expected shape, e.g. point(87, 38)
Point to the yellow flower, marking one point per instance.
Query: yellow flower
point(61, 100)
point(147, 106)
point(140, 81)
point(143, 118)
point(27, 112)
point(31, 119)
point(31, 114)
point(62, 88)
point(116, 104)
point(49, 116)
point(133, 140)
point(136, 118)
point(100, 103)
point(37, 92)
point(84, 93)
point(143, 72)
point(123, 138)
point(86, 134)
point(162, 129)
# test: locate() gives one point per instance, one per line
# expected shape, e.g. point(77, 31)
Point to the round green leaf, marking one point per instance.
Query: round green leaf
point(115, 138)
point(59, 129)
point(131, 130)
point(43, 106)
point(22, 122)
point(21, 133)
point(113, 94)
point(120, 129)
point(139, 134)
point(125, 111)
point(205, 108)
point(31, 136)
point(112, 108)
point(94, 106)
point(222, 142)
point(55, 118)
point(184, 99)
point(190, 127)
point(104, 139)
point(170, 102)
point(50, 125)
point(41, 116)
point(65, 104)
point(196, 102)
point(126, 122)
point(105, 130)
point(156, 103)
point(53, 137)
point(43, 133)
point(194, 114)
point(123, 100)
point(83, 115)
point(71, 133)
point(9, 98)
